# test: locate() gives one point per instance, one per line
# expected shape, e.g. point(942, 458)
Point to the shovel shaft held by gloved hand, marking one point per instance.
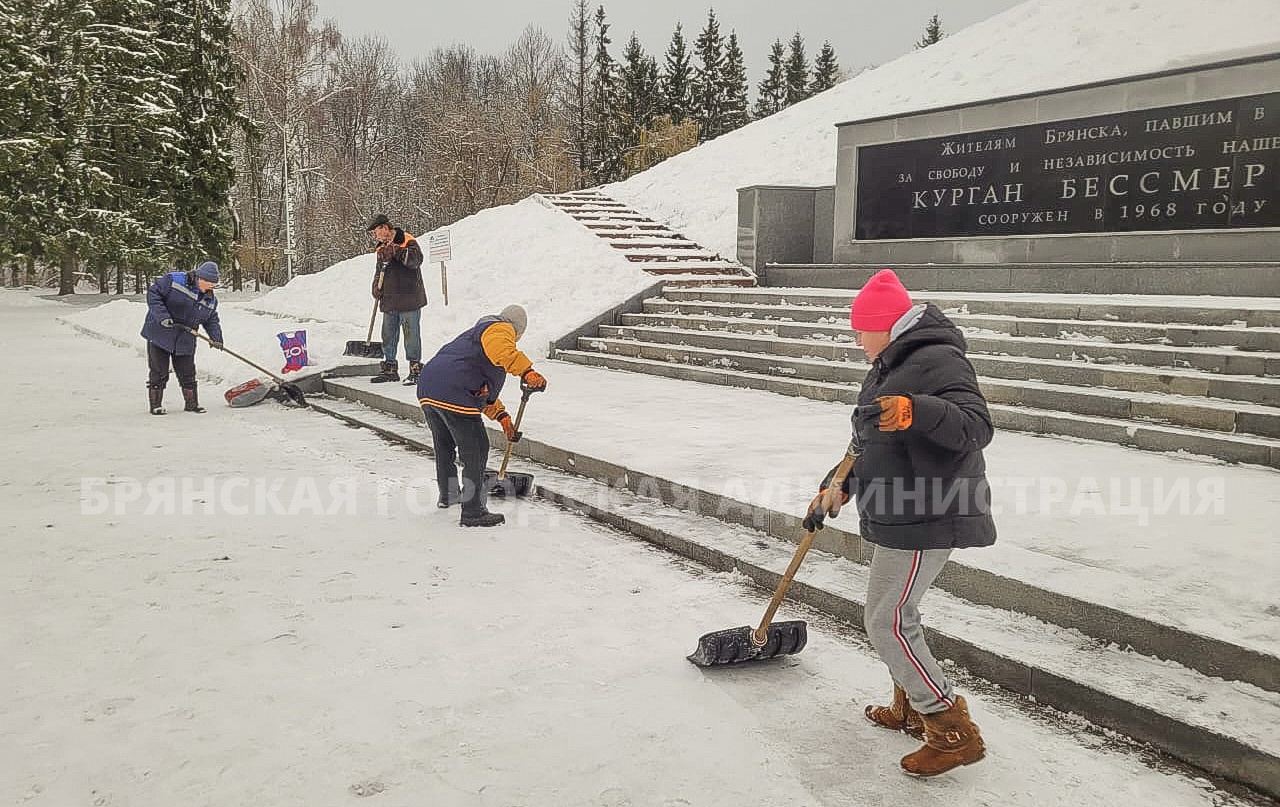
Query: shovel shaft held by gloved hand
point(368, 349)
point(292, 390)
point(768, 640)
point(374, 315)
point(506, 458)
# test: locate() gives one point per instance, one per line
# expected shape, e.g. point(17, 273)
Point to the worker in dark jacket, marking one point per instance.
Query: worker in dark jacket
point(461, 382)
point(176, 303)
point(921, 490)
point(397, 285)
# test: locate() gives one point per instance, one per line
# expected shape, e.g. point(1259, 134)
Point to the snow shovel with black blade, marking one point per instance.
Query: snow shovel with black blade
point(368, 349)
point(504, 484)
point(770, 639)
point(291, 390)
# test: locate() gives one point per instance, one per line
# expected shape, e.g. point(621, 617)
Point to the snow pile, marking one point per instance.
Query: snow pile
point(524, 253)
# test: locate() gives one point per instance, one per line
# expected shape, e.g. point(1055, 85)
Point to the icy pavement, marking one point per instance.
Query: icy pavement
point(325, 633)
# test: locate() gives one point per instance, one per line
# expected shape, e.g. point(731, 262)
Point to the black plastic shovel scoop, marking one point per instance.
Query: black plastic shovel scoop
point(770, 639)
point(292, 390)
point(513, 484)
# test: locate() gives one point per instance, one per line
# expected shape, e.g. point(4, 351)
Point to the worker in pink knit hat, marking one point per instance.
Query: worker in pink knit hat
point(919, 481)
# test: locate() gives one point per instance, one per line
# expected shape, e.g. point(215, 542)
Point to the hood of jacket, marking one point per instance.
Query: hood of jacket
point(931, 328)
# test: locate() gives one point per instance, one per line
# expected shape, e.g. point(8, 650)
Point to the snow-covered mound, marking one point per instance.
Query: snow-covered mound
point(1037, 46)
point(526, 253)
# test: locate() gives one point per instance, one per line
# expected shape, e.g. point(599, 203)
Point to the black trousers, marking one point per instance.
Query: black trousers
point(462, 437)
point(158, 364)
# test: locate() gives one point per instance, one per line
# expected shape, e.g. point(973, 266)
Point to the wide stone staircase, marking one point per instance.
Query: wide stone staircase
point(1174, 371)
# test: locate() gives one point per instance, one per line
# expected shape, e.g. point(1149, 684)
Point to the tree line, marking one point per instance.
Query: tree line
point(115, 155)
point(139, 136)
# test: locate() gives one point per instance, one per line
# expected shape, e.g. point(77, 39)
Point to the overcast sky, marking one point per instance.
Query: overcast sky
point(863, 32)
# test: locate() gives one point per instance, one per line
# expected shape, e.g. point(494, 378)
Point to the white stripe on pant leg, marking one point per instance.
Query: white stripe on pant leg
point(902, 640)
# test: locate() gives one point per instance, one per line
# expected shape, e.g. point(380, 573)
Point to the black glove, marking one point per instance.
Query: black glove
point(218, 346)
point(866, 424)
point(168, 323)
point(813, 519)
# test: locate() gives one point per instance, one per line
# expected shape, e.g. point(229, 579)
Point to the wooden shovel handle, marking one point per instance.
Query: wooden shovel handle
point(373, 316)
point(761, 635)
point(506, 458)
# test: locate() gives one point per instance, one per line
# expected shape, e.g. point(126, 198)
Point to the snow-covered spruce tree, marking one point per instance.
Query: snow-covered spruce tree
point(677, 80)
point(797, 71)
point(637, 93)
point(826, 71)
point(735, 90)
point(198, 156)
point(771, 93)
point(605, 135)
point(24, 109)
point(932, 33)
point(708, 80)
point(133, 109)
point(99, 187)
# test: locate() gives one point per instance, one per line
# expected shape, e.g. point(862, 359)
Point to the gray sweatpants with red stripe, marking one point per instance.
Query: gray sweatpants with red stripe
point(898, 580)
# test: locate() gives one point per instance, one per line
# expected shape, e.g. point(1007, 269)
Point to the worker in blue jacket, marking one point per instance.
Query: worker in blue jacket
point(461, 383)
point(176, 303)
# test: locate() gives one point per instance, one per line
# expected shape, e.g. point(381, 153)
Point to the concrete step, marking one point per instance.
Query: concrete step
point(611, 229)
point(657, 256)
point(604, 217)
point(1219, 311)
point(1214, 278)
point(1220, 726)
point(744, 281)
point(1262, 340)
point(1058, 361)
point(1110, 327)
point(991, 340)
point(1035, 408)
point(657, 245)
point(1067, 386)
point(695, 268)
point(588, 204)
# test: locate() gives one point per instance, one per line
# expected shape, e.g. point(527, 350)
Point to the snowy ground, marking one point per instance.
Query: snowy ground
point(364, 644)
point(1181, 540)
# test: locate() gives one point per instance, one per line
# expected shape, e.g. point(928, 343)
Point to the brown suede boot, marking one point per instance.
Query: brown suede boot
point(899, 717)
point(951, 740)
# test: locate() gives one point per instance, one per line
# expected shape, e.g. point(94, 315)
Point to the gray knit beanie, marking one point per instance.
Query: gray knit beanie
point(516, 316)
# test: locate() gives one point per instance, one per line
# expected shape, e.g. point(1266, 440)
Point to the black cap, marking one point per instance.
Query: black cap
point(377, 222)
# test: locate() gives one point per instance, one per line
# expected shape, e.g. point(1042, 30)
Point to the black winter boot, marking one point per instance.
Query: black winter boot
point(155, 395)
point(415, 367)
point(485, 519)
point(390, 371)
point(450, 494)
point(192, 401)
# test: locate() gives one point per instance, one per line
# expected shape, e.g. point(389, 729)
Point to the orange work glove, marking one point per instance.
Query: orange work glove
point(895, 413)
point(533, 380)
point(508, 427)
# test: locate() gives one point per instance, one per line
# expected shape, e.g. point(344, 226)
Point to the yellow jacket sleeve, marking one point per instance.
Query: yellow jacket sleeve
point(499, 343)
